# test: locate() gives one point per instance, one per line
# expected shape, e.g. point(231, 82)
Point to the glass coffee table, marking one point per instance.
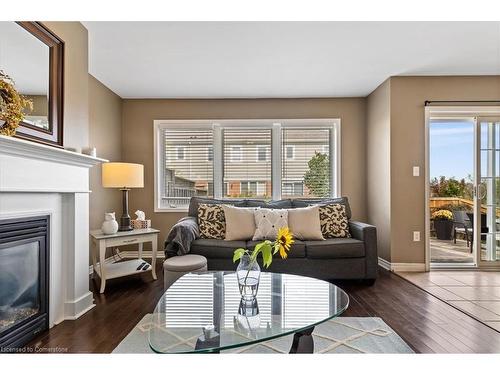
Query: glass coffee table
point(204, 312)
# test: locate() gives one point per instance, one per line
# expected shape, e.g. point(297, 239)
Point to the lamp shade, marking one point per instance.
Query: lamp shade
point(122, 175)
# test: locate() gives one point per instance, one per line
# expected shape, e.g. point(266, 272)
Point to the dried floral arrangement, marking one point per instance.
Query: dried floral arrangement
point(12, 105)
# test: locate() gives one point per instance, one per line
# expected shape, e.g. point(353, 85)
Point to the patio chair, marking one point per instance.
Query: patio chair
point(463, 225)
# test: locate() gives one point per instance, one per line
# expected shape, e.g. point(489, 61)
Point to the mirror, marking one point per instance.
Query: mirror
point(32, 56)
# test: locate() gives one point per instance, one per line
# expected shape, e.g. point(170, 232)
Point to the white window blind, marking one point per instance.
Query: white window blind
point(306, 171)
point(188, 166)
point(262, 159)
point(189, 302)
point(304, 301)
point(241, 170)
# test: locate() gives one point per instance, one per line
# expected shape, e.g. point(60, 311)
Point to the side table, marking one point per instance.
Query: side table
point(101, 242)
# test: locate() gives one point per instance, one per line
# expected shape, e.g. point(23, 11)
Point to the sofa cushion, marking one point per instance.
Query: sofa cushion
point(322, 201)
point(284, 203)
point(211, 248)
point(298, 249)
point(332, 248)
point(195, 201)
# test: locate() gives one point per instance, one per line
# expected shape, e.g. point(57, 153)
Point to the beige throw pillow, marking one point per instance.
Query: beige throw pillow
point(240, 223)
point(304, 223)
point(268, 222)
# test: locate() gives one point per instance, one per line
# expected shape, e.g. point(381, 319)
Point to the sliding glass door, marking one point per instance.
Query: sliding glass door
point(487, 192)
point(451, 191)
point(463, 195)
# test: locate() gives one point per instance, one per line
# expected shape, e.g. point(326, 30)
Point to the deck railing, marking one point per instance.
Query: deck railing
point(438, 202)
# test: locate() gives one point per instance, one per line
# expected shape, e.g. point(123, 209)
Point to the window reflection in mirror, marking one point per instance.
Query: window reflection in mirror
point(26, 60)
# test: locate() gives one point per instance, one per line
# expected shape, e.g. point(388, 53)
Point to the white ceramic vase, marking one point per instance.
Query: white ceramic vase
point(110, 225)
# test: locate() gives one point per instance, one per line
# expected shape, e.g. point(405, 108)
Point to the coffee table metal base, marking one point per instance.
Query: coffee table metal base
point(303, 342)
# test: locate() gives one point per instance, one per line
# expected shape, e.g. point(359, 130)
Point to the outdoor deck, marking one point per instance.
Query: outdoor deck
point(443, 251)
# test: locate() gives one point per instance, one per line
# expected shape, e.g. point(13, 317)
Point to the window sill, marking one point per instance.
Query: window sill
point(172, 210)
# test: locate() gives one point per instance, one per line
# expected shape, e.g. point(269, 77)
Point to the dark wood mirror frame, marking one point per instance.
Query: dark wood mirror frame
point(54, 135)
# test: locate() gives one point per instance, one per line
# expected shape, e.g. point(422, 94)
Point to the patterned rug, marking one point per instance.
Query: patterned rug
point(339, 335)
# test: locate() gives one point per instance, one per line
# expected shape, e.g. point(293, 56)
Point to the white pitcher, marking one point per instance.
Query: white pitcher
point(110, 225)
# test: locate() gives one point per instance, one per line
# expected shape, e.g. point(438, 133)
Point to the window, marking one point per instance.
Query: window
point(242, 175)
point(185, 171)
point(293, 189)
point(262, 159)
point(180, 153)
point(307, 173)
point(261, 153)
point(236, 154)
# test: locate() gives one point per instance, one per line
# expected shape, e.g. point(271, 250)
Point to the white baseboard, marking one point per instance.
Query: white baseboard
point(401, 267)
point(129, 255)
point(384, 264)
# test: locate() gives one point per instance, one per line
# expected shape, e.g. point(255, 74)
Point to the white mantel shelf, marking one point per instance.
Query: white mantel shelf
point(35, 180)
point(26, 149)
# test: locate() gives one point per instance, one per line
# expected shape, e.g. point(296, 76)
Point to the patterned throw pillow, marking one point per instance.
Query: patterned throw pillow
point(334, 222)
point(211, 221)
point(268, 222)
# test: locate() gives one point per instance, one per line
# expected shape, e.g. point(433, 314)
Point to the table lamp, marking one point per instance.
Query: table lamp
point(123, 176)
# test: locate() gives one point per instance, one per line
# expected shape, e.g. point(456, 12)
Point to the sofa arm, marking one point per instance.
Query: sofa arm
point(368, 234)
point(180, 237)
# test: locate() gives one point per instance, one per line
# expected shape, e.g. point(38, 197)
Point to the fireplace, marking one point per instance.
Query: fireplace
point(24, 279)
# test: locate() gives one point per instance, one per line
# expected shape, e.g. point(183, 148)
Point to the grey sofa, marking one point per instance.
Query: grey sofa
point(335, 258)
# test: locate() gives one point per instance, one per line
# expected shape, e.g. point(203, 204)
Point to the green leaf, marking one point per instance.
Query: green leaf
point(276, 247)
point(267, 256)
point(256, 251)
point(238, 253)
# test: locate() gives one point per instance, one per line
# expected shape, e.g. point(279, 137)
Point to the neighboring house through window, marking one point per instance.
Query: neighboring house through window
point(261, 153)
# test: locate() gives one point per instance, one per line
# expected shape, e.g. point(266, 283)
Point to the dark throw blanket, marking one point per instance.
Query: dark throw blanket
point(181, 235)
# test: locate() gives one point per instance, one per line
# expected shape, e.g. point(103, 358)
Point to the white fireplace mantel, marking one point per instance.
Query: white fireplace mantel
point(36, 179)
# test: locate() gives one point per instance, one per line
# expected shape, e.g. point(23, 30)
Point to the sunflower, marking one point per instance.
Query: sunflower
point(284, 240)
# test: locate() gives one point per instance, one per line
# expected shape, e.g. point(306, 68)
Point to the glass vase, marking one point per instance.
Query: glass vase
point(248, 273)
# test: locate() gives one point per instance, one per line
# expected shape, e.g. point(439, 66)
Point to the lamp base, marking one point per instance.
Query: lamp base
point(125, 224)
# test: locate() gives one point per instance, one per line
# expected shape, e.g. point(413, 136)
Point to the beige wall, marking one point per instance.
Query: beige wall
point(378, 165)
point(92, 114)
point(76, 87)
point(105, 115)
point(408, 95)
point(137, 146)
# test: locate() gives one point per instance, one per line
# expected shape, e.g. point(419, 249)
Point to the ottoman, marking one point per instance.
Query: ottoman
point(175, 267)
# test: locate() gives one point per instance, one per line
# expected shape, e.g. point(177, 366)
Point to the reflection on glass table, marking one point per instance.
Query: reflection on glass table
point(203, 312)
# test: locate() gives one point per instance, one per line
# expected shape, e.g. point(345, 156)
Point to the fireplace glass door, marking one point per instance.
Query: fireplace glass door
point(24, 279)
point(19, 278)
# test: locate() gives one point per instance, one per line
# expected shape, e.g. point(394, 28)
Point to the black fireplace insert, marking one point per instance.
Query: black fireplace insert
point(24, 280)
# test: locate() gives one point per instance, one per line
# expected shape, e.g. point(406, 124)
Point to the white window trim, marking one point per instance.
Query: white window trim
point(217, 125)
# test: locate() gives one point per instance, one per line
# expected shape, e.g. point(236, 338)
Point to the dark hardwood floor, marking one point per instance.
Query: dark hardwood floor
point(426, 323)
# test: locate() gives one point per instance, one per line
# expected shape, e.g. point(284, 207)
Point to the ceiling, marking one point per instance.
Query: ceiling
point(282, 59)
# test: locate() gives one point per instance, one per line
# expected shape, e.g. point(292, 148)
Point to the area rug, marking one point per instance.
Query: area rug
point(339, 335)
